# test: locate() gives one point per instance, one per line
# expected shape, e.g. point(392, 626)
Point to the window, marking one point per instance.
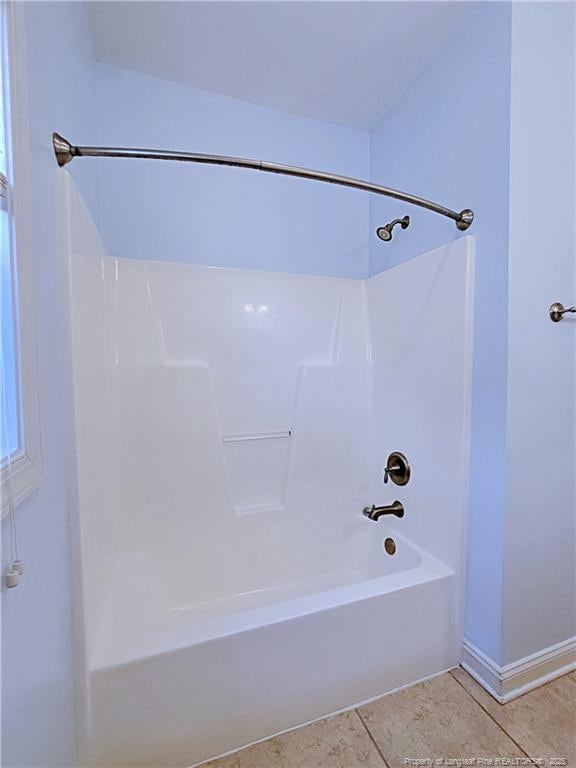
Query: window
point(19, 421)
point(10, 438)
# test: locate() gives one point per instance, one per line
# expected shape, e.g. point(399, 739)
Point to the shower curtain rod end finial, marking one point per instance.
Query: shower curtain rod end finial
point(465, 220)
point(63, 150)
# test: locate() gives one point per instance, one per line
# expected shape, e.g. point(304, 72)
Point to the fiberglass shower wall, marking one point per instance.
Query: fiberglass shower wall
point(231, 417)
point(226, 399)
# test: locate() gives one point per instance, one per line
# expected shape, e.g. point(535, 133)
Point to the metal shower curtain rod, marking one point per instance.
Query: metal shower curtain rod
point(65, 152)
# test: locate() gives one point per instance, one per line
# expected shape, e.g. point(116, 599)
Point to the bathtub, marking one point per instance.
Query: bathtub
point(183, 673)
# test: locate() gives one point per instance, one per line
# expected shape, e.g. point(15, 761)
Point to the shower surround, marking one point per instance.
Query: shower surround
point(230, 427)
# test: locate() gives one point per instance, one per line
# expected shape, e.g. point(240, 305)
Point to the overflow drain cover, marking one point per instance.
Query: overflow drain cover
point(390, 546)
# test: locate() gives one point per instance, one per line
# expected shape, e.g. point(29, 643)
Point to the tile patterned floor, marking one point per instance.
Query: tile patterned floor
point(449, 717)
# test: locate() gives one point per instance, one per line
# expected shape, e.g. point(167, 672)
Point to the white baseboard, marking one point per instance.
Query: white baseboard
point(512, 680)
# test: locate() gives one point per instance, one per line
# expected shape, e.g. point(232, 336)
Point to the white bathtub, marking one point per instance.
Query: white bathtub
point(194, 660)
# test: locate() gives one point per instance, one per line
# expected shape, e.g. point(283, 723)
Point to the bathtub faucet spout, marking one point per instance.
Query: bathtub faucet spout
point(375, 513)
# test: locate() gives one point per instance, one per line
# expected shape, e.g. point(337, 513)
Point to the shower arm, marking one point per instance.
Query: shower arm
point(65, 152)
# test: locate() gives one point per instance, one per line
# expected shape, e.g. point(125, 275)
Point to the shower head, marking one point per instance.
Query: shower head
point(385, 232)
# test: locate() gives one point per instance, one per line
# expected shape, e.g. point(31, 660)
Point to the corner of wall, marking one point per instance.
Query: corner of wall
point(448, 138)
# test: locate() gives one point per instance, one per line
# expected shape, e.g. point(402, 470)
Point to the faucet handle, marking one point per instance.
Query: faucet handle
point(391, 470)
point(397, 469)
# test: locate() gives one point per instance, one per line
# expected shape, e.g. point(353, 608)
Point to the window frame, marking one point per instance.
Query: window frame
point(21, 476)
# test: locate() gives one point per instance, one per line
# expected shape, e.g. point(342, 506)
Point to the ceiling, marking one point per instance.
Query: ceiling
point(345, 62)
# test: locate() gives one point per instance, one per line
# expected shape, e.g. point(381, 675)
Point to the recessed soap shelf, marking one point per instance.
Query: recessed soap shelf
point(257, 465)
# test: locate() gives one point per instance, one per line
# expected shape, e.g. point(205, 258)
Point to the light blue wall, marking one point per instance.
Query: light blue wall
point(447, 139)
point(37, 664)
point(540, 535)
point(226, 216)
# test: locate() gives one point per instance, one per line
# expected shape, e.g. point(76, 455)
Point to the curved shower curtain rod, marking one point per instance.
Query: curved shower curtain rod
point(65, 152)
